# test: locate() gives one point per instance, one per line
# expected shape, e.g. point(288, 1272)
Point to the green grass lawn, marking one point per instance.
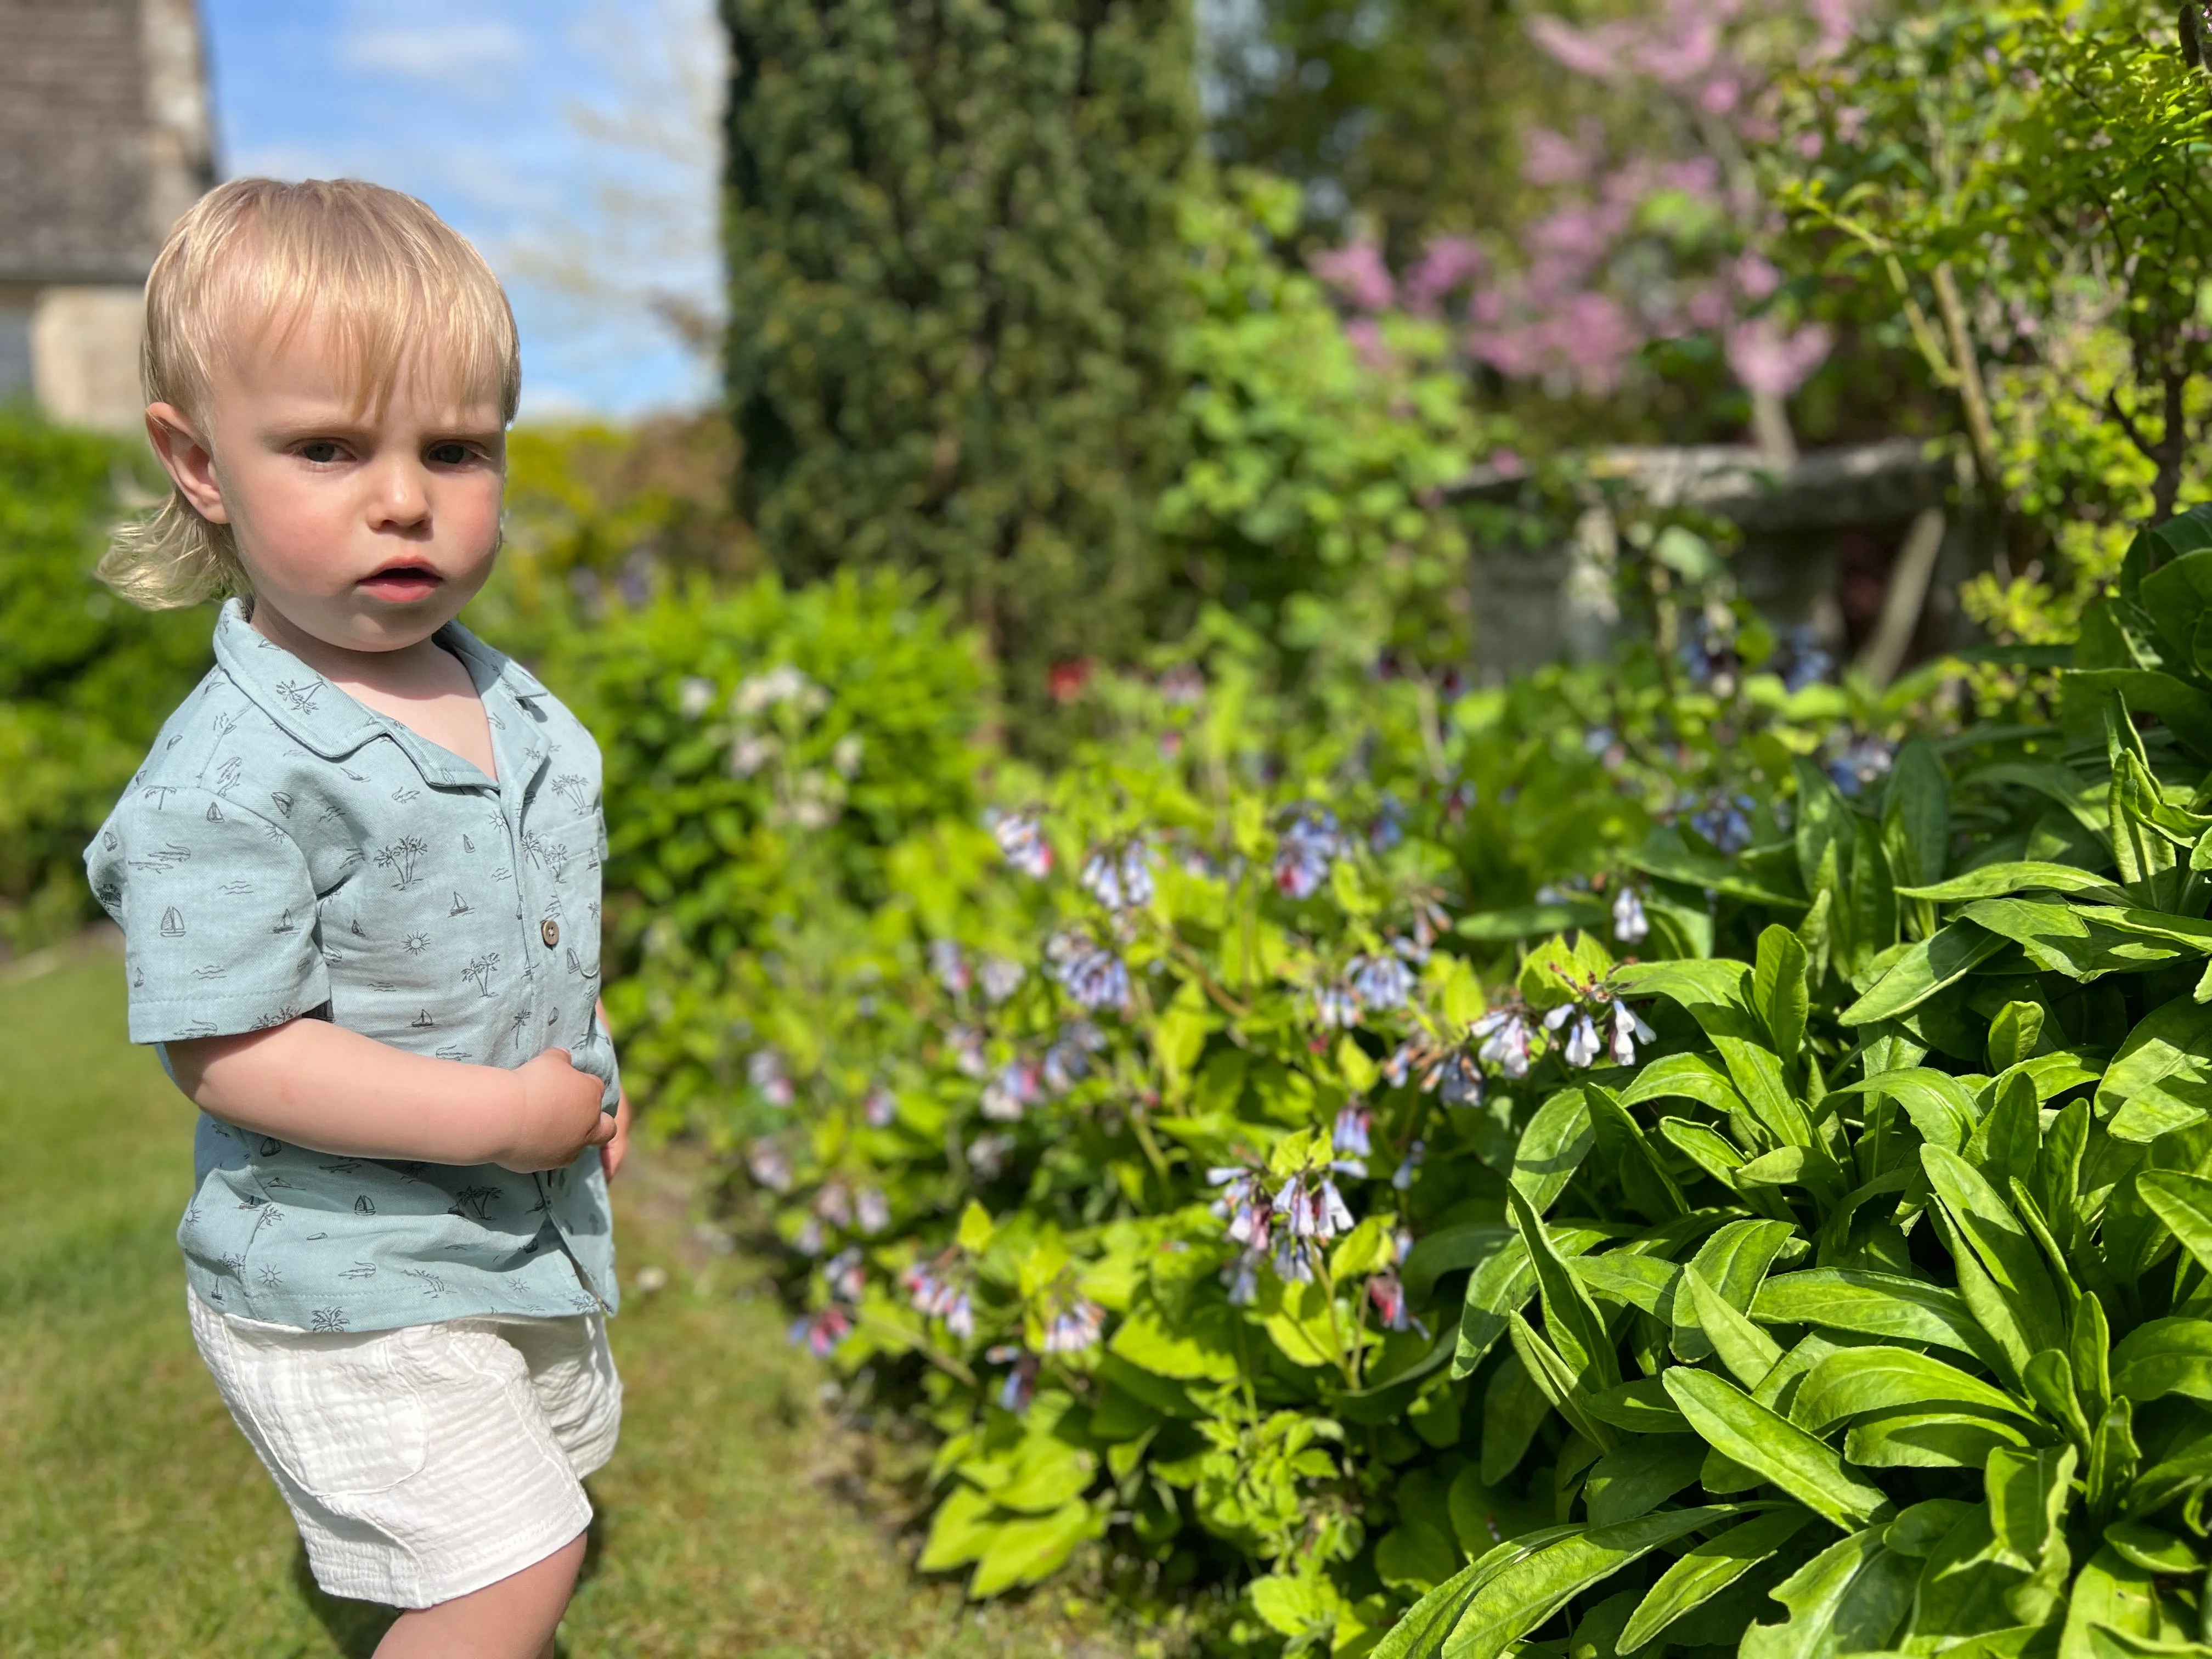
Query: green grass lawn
point(134, 1521)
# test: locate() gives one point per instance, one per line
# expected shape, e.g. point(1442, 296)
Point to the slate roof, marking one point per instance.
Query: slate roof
point(103, 135)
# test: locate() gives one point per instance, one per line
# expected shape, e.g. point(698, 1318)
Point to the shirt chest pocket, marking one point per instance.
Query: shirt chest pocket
point(560, 846)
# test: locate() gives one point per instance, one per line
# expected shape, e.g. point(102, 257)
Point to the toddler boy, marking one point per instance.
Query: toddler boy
point(358, 879)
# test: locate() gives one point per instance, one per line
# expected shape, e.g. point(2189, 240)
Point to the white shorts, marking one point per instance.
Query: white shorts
point(428, 1461)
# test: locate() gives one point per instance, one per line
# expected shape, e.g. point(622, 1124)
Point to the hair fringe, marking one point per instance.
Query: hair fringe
point(171, 558)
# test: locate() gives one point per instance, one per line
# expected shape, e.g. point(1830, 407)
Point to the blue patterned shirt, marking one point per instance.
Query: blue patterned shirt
point(287, 853)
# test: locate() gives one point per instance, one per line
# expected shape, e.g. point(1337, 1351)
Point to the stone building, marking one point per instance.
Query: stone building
point(105, 139)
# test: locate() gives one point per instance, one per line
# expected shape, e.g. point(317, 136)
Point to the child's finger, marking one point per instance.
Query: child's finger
point(602, 1132)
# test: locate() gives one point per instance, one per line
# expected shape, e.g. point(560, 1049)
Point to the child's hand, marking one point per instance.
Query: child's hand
point(559, 1116)
point(612, 1154)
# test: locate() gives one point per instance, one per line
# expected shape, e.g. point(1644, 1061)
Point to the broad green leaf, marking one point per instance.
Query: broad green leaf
point(1551, 1148)
point(1575, 1326)
point(2081, 941)
point(1733, 1261)
point(1824, 819)
point(1513, 1409)
point(1032, 1548)
point(1533, 1588)
point(1712, 1151)
point(2113, 1592)
point(1706, 1569)
point(1778, 991)
point(1686, 1076)
point(1963, 1589)
point(1874, 898)
point(1431, 1619)
point(2005, 1251)
point(1850, 1598)
point(1872, 1303)
point(2152, 1548)
point(1294, 1605)
point(2003, 1146)
point(1740, 1429)
point(1941, 1107)
point(2014, 1033)
point(2020, 876)
point(2114, 1456)
point(1560, 1382)
point(1188, 1348)
point(1859, 1380)
point(1925, 968)
point(1635, 1478)
point(975, 1229)
point(2166, 1356)
point(1650, 1187)
point(2027, 1492)
point(1641, 1282)
point(2105, 1642)
point(1744, 1349)
point(2161, 1078)
point(1642, 1406)
point(1915, 811)
point(1694, 985)
point(1503, 1283)
point(2176, 703)
point(1919, 1528)
point(959, 1532)
point(2184, 1203)
point(1928, 1439)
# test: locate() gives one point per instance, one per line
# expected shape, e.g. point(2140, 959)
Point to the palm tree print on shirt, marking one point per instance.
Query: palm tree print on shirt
point(401, 858)
point(479, 971)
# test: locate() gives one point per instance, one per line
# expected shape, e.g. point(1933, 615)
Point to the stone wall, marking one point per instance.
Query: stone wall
point(1811, 531)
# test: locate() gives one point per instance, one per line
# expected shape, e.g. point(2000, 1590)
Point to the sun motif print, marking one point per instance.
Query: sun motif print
point(286, 853)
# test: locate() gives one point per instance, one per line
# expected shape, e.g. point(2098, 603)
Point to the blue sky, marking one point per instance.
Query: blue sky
point(571, 140)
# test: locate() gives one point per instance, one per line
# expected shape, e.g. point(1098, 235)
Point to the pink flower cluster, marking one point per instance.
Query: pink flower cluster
point(1598, 280)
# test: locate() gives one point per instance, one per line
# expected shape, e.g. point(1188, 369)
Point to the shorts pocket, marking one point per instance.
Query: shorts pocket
point(341, 1417)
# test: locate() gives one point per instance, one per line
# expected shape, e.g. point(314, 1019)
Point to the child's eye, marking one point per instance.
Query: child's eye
point(319, 451)
point(452, 454)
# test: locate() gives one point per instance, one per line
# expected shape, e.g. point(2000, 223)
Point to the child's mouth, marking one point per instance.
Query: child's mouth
point(402, 583)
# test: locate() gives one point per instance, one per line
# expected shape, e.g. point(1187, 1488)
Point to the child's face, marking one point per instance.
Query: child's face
point(365, 528)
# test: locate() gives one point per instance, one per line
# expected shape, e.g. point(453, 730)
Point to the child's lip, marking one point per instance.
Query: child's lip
point(401, 576)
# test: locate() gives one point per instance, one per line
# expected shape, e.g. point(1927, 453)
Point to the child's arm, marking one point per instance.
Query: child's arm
point(321, 1086)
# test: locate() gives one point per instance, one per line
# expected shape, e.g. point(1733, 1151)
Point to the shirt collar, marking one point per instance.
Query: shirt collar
point(332, 724)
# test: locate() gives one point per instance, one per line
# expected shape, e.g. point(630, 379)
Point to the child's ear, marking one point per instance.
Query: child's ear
point(187, 458)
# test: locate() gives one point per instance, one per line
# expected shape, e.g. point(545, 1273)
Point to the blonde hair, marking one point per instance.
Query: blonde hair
point(378, 270)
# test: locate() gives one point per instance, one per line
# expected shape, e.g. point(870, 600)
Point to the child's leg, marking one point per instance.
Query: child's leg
point(514, 1619)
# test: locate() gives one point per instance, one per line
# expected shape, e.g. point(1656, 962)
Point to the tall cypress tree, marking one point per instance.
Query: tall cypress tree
point(953, 282)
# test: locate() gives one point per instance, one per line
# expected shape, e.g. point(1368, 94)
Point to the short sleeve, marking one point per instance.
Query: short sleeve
point(218, 914)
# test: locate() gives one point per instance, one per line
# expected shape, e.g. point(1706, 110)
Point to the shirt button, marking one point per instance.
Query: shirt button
point(551, 930)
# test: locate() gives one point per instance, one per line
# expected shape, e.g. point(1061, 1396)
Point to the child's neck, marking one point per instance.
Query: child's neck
point(423, 686)
point(407, 671)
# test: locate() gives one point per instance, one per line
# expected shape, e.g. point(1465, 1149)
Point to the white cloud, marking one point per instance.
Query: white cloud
point(452, 53)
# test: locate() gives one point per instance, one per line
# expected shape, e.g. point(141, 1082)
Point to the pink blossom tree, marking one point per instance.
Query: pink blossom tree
point(1652, 228)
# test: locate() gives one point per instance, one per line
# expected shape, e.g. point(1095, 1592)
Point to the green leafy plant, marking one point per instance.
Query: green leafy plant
point(1892, 1338)
point(86, 680)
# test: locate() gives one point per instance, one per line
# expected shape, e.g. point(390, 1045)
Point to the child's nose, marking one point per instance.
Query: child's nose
point(401, 498)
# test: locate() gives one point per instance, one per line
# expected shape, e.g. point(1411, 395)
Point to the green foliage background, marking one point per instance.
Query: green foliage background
point(85, 679)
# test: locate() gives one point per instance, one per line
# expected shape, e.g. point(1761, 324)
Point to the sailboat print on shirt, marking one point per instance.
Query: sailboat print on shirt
point(172, 923)
point(422, 1022)
point(461, 906)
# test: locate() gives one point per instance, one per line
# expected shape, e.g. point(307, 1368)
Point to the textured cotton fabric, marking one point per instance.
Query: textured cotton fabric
point(426, 1462)
point(287, 852)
